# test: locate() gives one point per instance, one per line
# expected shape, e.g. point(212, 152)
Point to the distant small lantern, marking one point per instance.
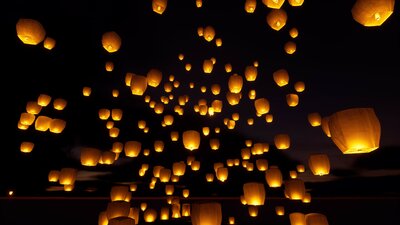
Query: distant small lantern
point(188, 66)
point(195, 165)
point(154, 77)
point(111, 41)
point(114, 132)
point(269, 118)
point(273, 176)
point(215, 89)
point(282, 141)
point(372, 13)
point(44, 100)
point(158, 146)
point(181, 56)
point(218, 42)
point(314, 119)
point(300, 168)
point(109, 66)
point(299, 86)
point(214, 143)
point(252, 94)
point(191, 139)
point(293, 174)
point(319, 164)
point(276, 19)
point(262, 164)
point(26, 146)
point(355, 130)
point(250, 73)
point(104, 114)
point(209, 33)
point(297, 218)
point(261, 105)
point(235, 83)
point(295, 189)
point(150, 215)
point(116, 114)
point(159, 6)
point(254, 193)
point(296, 3)
point(281, 77)
point(138, 84)
point(42, 123)
point(273, 4)
point(290, 47)
point(49, 43)
point(222, 174)
point(231, 220)
point(119, 193)
point(59, 103)
point(53, 175)
point(90, 156)
point(253, 210)
point(250, 6)
point(169, 189)
point(27, 119)
point(292, 100)
point(228, 67)
point(200, 31)
point(280, 210)
point(233, 98)
point(207, 66)
point(86, 91)
point(67, 176)
point(30, 31)
point(179, 168)
point(199, 3)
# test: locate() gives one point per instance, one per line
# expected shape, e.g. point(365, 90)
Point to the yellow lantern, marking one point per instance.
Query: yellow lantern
point(59, 103)
point(295, 189)
point(199, 3)
point(128, 79)
point(164, 213)
point(280, 210)
point(141, 124)
point(293, 174)
point(273, 176)
point(26, 119)
point(254, 193)
point(281, 77)
point(207, 66)
point(307, 198)
point(262, 164)
point(209, 33)
point(43, 100)
point(314, 119)
point(233, 98)
point(150, 215)
point(117, 147)
point(176, 213)
point(250, 73)
point(119, 193)
point(181, 56)
point(218, 42)
point(67, 176)
point(214, 143)
point(90, 156)
point(122, 221)
point(200, 31)
point(195, 166)
point(292, 100)
point(179, 168)
point(138, 84)
point(252, 94)
point(174, 135)
point(30, 31)
point(132, 148)
point(143, 206)
point(299, 86)
point(33, 107)
point(115, 93)
point(325, 126)
point(276, 19)
point(355, 130)
point(217, 106)
point(154, 77)
point(169, 189)
point(319, 164)
point(297, 218)
point(300, 168)
point(186, 209)
point(235, 83)
point(290, 47)
point(371, 13)
point(273, 4)
point(109, 66)
point(222, 174)
point(296, 3)
point(215, 89)
point(282, 141)
point(104, 114)
point(159, 6)
point(210, 177)
point(107, 158)
point(49, 43)
point(316, 219)
point(113, 132)
point(245, 153)
point(293, 32)
point(203, 89)
point(86, 91)
point(26, 146)
point(116, 114)
point(191, 139)
point(111, 41)
point(158, 146)
point(168, 120)
point(228, 67)
point(206, 213)
point(231, 220)
point(42, 123)
point(250, 6)
point(261, 105)
point(188, 67)
point(53, 175)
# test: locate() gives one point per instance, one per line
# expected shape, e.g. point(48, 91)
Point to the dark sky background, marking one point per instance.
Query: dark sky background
point(343, 64)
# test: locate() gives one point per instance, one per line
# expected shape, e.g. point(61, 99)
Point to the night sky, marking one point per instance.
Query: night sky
point(343, 64)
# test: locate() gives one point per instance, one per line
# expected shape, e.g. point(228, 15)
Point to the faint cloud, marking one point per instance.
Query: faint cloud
point(84, 175)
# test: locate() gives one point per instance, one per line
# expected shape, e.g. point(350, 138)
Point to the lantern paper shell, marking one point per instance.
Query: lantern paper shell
point(297, 218)
point(67, 176)
point(281, 77)
point(319, 164)
point(111, 41)
point(314, 119)
point(296, 3)
point(53, 175)
point(27, 119)
point(44, 100)
point(138, 84)
point(150, 215)
point(355, 130)
point(119, 193)
point(42, 123)
point(191, 139)
point(372, 13)
point(206, 213)
point(122, 221)
point(273, 176)
point(49, 43)
point(235, 83)
point(26, 147)
point(282, 141)
point(59, 103)
point(295, 189)
point(262, 105)
point(117, 209)
point(132, 148)
point(292, 100)
point(154, 77)
point(316, 219)
point(86, 91)
point(207, 66)
point(90, 156)
point(250, 6)
point(30, 31)
point(250, 73)
point(159, 6)
point(290, 47)
point(209, 33)
point(33, 107)
point(254, 193)
point(293, 32)
point(276, 19)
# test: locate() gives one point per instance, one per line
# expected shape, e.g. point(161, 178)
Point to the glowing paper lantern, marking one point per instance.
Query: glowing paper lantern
point(90, 156)
point(296, 3)
point(314, 119)
point(214, 143)
point(169, 189)
point(116, 114)
point(59, 103)
point(117, 209)
point(319, 164)
point(191, 139)
point(325, 126)
point(295, 189)
point(30, 31)
point(26, 119)
point(262, 164)
point(26, 146)
point(261, 105)
point(235, 83)
point(111, 41)
point(293, 174)
point(280, 210)
point(122, 221)
point(297, 218)
point(209, 33)
point(371, 13)
point(254, 193)
point(42, 123)
point(292, 100)
point(120, 193)
point(164, 213)
point(293, 32)
point(228, 67)
point(207, 66)
point(276, 19)
point(114, 132)
point(355, 130)
point(86, 91)
point(206, 213)
point(109, 66)
point(290, 47)
point(299, 86)
point(282, 141)
point(57, 126)
point(179, 168)
point(132, 148)
point(281, 77)
point(53, 175)
point(222, 174)
point(316, 219)
point(233, 98)
point(49, 43)
point(44, 100)
point(67, 176)
point(138, 84)
point(199, 3)
point(104, 114)
point(218, 42)
point(273, 176)
point(158, 146)
point(250, 6)
point(273, 4)
point(150, 215)
point(250, 73)
point(154, 77)
point(159, 6)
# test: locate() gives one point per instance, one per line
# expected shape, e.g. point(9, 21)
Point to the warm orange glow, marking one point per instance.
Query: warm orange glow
point(30, 31)
point(111, 41)
point(372, 13)
point(276, 19)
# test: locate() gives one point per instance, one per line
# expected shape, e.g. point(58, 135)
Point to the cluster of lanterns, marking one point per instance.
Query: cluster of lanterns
point(355, 130)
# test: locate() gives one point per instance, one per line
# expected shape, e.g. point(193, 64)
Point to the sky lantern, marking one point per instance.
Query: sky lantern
point(200, 31)
point(250, 121)
point(30, 31)
point(26, 146)
point(90, 156)
point(276, 19)
point(355, 130)
point(33, 107)
point(295, 189)
point(174, 135)
point(299, 86)
point(316, 219)
point(319, 164)
point(235, 83)
point(269, 118)
point(250, 6)
point(188, 66)
point(122, 221)
point(292, 100)
point(168, 120)
point(169, 189)
point(186, 209)
point(57, 126)
point(164, 213)
point(181, 56)
point(199, 3)
point(107, 157)
point(114, 132)
point(158, 146)
point(218, 42)
point(104, 114)
point(116, 114)
point(117, 147)
point(300, 168)
point(228, 67)
point(273, 4)
point(261, 105)
point(222, 174)
point(119, 193)
point(273, 176)
point(217, 105)
point(297, 218)
point(115, 93)
point(325, 126)
point(296, 3)
point(207, 66)
point(150, 215)
point(214, 143)
point(42, 123)
point(262, 164)
point(138, 84)
point(195, 165)
point(215, 89)
point(132, 148)
point(250, 73)
point(191, 139)
point(293, 174)
point(372, 13)
point(206, 213)
point(281, 77)
point(314, 119)
point(179, 168)
point(280, 210)
point(293, 32)
point(109, 66)
point(254, 193)
point(111, 41)
point(27, 119)
point(44, 100)
point(154, 77)
point(231, 220)
point(53, 175)
point(159, 6)
point(253, 210)
point(233, 98)
point(282, 141)
point(165, 175)
point(59, 103)
point(252, 94)
point(67, 176)
point(49, 43)
point(290, 47)
point(86, 91)
point(209, 33)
